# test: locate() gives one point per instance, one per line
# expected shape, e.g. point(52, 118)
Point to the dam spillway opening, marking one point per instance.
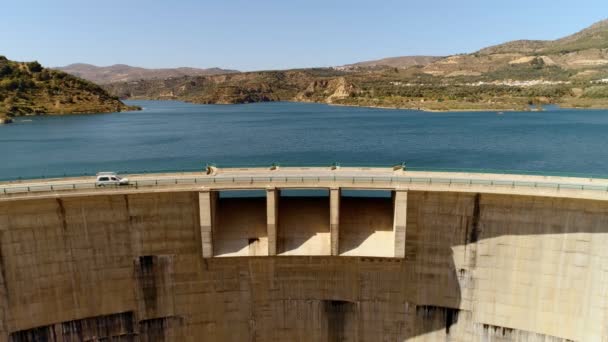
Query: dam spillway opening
point(310, 222)
point(366, 223)
point(303, 227)
point(240, 227)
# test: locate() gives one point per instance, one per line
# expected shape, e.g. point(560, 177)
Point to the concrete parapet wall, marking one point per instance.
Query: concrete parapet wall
point(476, 267)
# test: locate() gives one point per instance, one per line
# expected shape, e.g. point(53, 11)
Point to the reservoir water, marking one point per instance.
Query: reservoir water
point(174, 136)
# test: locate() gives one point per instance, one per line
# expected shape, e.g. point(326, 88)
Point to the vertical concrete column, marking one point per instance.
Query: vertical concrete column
point(207, 202)
point(334, 220)
point(272, 218)
point(399, 221)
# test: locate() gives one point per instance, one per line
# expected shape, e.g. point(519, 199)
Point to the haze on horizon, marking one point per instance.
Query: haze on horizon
point(274, 34)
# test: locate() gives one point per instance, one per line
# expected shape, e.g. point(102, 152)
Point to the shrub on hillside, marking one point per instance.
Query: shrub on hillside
point(596, 92)
point(34, 66)
point(5, 70)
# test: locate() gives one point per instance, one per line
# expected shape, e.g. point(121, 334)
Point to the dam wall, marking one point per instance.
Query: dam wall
point(190, 266)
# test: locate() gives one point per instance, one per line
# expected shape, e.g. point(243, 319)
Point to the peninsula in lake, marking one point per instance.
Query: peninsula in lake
point(26, 88)
point(571, 71)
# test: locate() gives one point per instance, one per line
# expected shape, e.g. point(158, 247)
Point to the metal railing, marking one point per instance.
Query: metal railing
point(248, 181)
point(312, 165)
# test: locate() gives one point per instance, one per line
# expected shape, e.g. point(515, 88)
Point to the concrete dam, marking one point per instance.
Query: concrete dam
point(250, 255)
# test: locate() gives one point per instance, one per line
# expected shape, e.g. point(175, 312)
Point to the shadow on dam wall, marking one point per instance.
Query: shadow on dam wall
point(128, 268)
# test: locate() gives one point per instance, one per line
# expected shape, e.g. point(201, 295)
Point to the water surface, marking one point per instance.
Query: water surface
point(179, 136)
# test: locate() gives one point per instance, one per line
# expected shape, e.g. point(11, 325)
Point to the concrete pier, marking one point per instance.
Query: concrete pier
point(400, 222)
point(207, 201)
point(334, 220)
point(273, 195)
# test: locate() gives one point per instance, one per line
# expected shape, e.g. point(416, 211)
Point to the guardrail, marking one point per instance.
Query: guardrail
point(354, 180)
point(153, 171)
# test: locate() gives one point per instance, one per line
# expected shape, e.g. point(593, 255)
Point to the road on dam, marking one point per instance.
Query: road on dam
point(318, 177)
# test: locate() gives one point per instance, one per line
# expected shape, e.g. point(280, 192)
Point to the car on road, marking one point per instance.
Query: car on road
point(109, 179)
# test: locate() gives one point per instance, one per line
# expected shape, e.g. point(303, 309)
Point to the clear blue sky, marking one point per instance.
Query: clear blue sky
point(274, 34)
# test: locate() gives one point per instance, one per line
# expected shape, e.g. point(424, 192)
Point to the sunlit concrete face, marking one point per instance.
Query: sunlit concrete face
point(240, 228)
point(363, 226)
point(475, 267)
point(366, 227)
point(304, 226)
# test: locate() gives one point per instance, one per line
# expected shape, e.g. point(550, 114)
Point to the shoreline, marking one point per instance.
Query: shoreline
point(11, 119)
point(428, 110)
point(339, 105)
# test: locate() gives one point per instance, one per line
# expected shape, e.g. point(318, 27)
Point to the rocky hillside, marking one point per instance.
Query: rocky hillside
point(395, 62)
point(28, 88)
point(264, 86)
point(580, 55)
point(572, 71)
point(125, 73)
point(593, 37)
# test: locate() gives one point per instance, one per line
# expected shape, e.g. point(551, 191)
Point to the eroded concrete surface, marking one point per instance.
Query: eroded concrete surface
point(477, 267)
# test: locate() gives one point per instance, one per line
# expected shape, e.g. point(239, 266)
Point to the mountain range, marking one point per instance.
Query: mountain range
point(571, 71)
point(126, 73)
point(394, 62)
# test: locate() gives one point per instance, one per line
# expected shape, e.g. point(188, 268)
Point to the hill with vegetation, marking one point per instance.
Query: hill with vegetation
point(26, 88)
point(593, 37)
point(519, 75)
point(394, 62)
point(227, 89)
point(125, 73)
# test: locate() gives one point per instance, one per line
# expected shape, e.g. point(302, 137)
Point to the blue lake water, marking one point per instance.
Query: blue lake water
point(180, 136)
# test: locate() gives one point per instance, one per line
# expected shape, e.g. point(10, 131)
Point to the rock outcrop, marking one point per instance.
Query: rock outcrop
point(327, 90)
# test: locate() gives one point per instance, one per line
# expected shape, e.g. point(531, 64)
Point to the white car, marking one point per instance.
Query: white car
point(110, 178)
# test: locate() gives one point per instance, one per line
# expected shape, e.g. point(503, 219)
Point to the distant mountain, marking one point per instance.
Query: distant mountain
point(26, 88)
point(593, 37)
point(583, 55)
point(126, 73)
point(396, 62)
point(582, 52)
